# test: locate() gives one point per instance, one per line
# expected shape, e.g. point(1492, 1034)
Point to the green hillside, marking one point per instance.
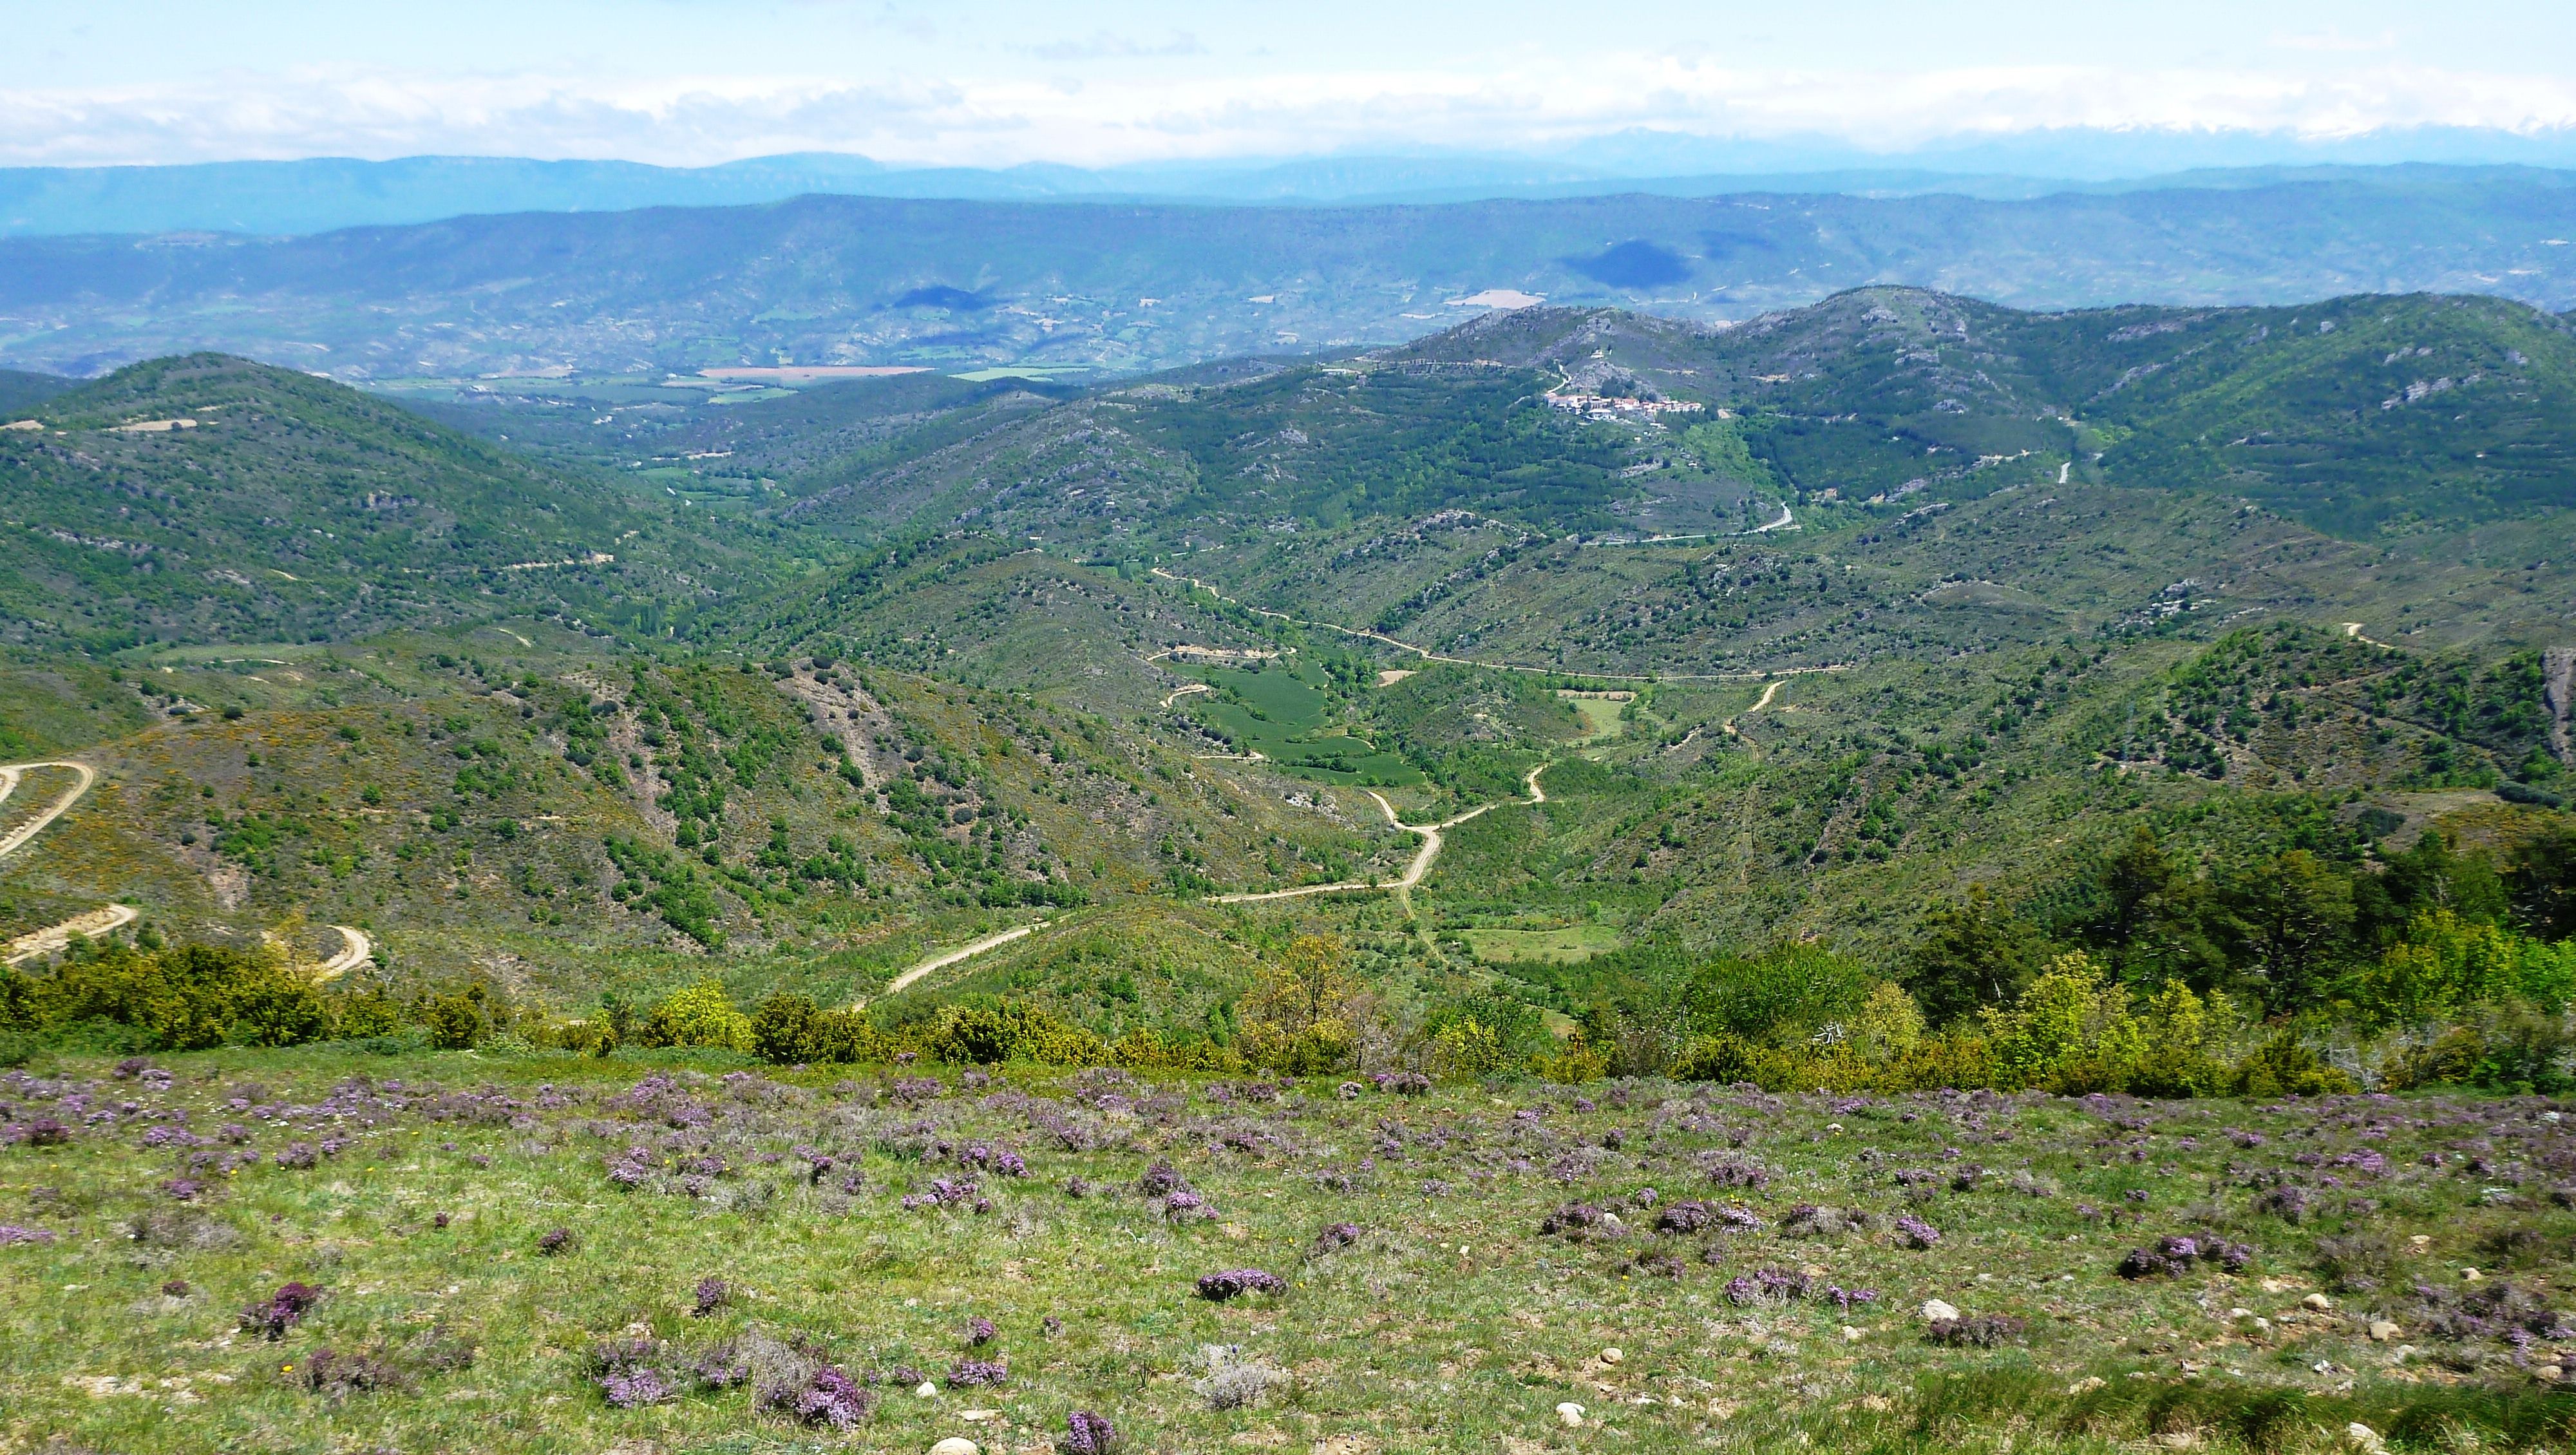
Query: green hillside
point(2355, 415)
point(1926, 592)
point(208, 499)
point(21, 391)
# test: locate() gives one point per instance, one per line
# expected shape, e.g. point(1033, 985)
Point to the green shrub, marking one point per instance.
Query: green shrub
point(990, 1032)
point(790, 1030)
point(701, 1015)
point(2510, 1048)
point(357, 1015)
point(2447, 963)
point(2286, 1065)
point(1784, 996)
point(181, 998)
point(454, 1020)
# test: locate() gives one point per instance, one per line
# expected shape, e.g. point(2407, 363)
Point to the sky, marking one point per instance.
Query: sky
point(1004, 82)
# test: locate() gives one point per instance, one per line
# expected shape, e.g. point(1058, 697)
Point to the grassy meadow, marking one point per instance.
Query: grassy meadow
point(499, 1243)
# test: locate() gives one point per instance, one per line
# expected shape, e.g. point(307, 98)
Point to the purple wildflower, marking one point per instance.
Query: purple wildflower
point(2139, 1263)
point(1766, 1286)
point(281, 1311)
point(722, 1366)
point(973, 1373)
point(1844, 1298)
point(1088, 1434)
point(1916, 1232)
point(1218, 1287)
point(941, 1193)
point(2288, 1202)
point(1683, 1217)
point(2173, 1256)
point(979, 1332)
point(10, 1233)
point(713, 1294)
point(832, 1398)
point(1337, 1237)
point(628, 1389)
point(554, 1241)
point(1728, 1171)
point(1979, 1331)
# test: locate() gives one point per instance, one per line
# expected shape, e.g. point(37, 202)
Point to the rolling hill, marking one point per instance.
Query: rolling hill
point(207, 499)
point(2353, 415)
point(1922, 591)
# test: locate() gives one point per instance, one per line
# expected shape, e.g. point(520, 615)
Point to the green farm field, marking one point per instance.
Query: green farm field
point(1573, 942)
point(1287, 718)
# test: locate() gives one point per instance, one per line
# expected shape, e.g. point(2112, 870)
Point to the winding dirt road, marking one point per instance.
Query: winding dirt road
point(963, 952)
point(1728, 726)
point(1413, 872)
point(12, 773)
point(355, 947)
point(54, 938)
point(1428, 655)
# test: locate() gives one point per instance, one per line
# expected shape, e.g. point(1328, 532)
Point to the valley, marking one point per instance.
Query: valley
point(701, 900)
point(1249, 633)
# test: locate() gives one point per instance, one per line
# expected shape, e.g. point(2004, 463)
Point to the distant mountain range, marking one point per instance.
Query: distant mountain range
point(1124, 287)
point(319, 194)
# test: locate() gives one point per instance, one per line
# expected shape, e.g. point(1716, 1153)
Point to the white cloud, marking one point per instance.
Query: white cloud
point(1102, 45)
point(2331, 41)
point(1530, 101)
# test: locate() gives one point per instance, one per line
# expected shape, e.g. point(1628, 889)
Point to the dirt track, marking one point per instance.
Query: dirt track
point(963, 952)
point(54, 938)
point(1413, 872)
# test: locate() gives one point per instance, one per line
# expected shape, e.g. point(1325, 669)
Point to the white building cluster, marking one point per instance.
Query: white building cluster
point(1612, 406)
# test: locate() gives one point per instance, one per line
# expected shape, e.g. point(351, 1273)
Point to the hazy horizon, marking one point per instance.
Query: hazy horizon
point(1665, 88)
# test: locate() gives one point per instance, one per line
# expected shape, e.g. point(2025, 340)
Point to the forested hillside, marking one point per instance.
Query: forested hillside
point(1547, 663)
point(209, 499)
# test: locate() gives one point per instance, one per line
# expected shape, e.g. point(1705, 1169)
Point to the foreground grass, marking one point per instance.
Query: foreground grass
point(1452, 1323)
